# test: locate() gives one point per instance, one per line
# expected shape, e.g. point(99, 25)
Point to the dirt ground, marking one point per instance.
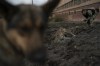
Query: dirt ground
point(83, 49)
point(70, 44)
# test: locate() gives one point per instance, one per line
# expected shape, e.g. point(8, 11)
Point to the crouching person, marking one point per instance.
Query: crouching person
point(90, 15)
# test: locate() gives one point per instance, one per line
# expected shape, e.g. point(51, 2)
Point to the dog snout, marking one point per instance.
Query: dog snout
point(39, 56)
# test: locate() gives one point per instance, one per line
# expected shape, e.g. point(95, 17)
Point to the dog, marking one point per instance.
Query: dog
point(21, 32)
point(90, 15)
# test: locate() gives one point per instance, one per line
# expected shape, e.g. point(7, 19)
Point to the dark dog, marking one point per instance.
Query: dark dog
point(90, 15)
point(21, 32)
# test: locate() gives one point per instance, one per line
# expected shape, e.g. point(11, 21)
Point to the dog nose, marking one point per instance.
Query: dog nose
point(39, 56)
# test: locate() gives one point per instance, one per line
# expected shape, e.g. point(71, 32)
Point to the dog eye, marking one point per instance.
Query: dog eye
point(42, 28)
point(26, 29)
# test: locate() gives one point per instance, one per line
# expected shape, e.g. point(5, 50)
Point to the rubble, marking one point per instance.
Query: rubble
point(62, 35)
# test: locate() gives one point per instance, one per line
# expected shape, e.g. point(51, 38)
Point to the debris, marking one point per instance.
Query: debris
point(62, 35)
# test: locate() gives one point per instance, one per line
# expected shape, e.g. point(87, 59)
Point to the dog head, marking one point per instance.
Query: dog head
point(25, 25)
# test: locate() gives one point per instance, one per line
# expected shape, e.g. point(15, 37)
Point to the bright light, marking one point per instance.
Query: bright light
point(36, 2)
point(39, 2)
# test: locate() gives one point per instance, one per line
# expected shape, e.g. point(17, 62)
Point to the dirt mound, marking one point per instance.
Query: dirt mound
point(62, 35)
point(81, 50)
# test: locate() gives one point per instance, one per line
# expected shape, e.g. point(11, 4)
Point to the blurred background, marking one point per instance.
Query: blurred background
point(37, 2)
point(70, 10)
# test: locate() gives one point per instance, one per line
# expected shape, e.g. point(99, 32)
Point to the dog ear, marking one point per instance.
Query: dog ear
point(6, 8)
point(49, 6)
point(2, 26)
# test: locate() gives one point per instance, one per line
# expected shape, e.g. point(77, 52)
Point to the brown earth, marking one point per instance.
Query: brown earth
point(83, 49)
point(65, 49)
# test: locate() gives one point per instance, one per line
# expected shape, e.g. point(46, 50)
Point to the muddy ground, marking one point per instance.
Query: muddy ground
point(70, 44)
point(83, 49)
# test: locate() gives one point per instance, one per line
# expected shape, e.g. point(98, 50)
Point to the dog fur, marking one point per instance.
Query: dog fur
point(21, 30)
